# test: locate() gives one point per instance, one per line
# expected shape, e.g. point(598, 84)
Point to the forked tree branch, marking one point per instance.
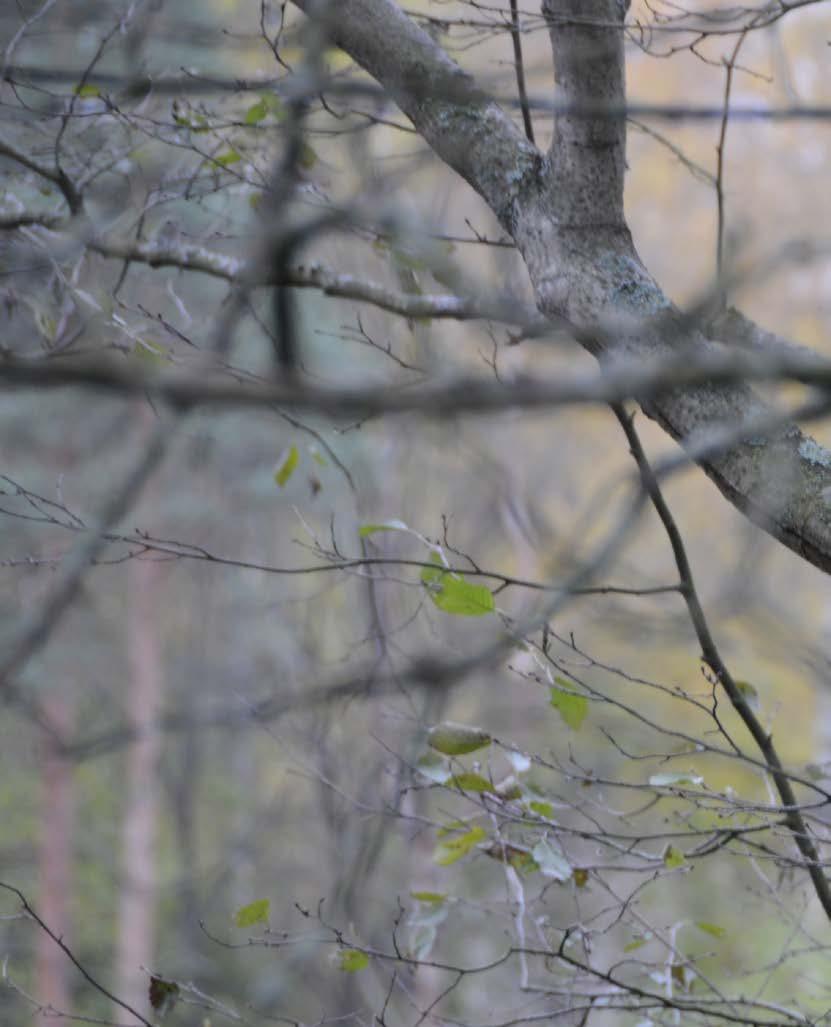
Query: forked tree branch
point(564, 210)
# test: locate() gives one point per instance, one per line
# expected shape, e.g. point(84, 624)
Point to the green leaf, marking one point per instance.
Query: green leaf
point(227, 157)
point(274, 105)
point(307, 158)
point(432, 898)
point(162, 995)
point(352, 960)
point(286, 465)
point(711, 929)
point(366, 530)
point(257, 113)
point(673, 857)
point(254, 913)
point(470, 782)
point(457, 739)
point(543, 809)
point(573, 708)
point(150, 353)
point(87, 90)
point(449, 850)
point(453, 594)
point(676, 780)
point(635, 944)
point(749, 693)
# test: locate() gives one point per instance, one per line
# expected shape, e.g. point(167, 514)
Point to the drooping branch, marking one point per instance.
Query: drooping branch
point(565, 213)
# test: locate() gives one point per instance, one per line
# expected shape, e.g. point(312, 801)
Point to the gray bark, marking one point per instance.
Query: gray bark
point(564, 210)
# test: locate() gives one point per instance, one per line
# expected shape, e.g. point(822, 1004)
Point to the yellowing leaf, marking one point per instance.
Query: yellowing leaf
point(352, 960)
point(150, 353)
point(286, 465)
point(711, 929)
point(254, 913)
point(432, 898)
point(449, 850)
point(673, 857)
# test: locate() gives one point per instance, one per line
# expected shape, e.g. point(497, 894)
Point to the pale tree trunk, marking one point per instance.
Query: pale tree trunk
point(137, 910)
point(55, 860)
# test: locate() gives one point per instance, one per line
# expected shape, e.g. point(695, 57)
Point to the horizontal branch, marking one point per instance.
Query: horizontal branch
point(644, 380)
point(187, 257)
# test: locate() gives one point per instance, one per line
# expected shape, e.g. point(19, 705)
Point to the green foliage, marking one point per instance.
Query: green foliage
point(673, 857)
point(227, 157)
point(366, 530)
point(572, 707)
point(353, 960)
point(450, 850)
point(712, 929)
point(470, 782)
point(254, 913)
point(433, 898)
point(452, 593)
point(457, 739)
point(286, 465)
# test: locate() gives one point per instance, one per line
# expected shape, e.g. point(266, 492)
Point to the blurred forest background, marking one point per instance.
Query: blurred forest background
point(163, 771)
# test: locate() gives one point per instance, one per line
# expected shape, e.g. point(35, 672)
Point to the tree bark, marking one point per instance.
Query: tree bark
point(136, 921)
point(55, 862)
point(564, 210)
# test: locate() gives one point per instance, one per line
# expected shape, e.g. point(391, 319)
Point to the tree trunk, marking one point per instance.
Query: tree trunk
point(55, 861)
point(136, 924)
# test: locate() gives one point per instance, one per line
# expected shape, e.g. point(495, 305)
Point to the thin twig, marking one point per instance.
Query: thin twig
point(793, 818)
point(72, 957)
point(520, 72)
point(729, 64)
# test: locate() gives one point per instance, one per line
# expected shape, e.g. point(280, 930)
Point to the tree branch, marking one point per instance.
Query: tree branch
point(565, 213)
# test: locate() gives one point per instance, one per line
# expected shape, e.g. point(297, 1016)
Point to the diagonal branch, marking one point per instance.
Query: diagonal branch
point(712, 657)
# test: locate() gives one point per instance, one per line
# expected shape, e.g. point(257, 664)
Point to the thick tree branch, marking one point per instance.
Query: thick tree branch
point(565, 212)
point(467, 130)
